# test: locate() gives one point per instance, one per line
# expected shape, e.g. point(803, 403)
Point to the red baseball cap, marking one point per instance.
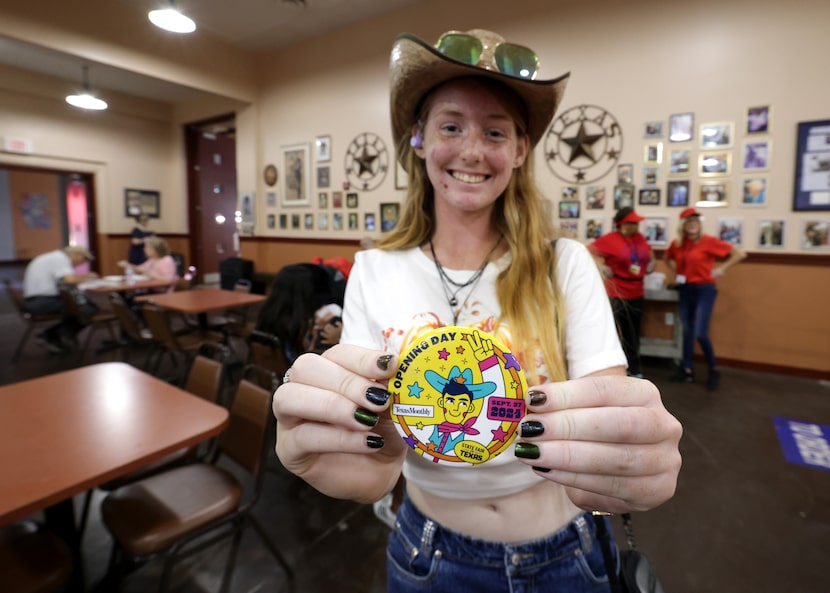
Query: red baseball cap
point(627, 214)
point(689, 212)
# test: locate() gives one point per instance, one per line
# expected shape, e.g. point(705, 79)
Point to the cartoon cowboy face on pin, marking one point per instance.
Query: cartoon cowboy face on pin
point(458, 395)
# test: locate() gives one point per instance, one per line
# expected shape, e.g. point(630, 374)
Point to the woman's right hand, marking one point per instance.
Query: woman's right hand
point(333, 428)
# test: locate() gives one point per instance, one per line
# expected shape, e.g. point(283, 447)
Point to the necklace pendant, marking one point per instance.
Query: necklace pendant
point(453, 302)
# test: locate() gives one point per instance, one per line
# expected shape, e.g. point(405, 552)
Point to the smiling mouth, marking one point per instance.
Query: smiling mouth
point(468, 177)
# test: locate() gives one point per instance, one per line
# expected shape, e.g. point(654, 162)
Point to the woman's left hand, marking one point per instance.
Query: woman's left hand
point(607, 438)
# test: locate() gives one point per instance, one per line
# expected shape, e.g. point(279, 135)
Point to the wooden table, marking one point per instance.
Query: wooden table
point(202, 302)
point(63, 434)
point(109, 284)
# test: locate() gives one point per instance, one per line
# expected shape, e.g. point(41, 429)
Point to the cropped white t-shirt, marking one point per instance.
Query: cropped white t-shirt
point(394, 296)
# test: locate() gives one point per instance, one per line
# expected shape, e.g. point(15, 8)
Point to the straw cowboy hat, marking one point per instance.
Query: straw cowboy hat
point(416, 67)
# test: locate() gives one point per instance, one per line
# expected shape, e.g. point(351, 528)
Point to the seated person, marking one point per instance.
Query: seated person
point(159, 265)
point(302, 309)
point(41, 293)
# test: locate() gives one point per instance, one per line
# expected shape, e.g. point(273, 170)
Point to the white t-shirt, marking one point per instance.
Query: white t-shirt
point(44, 272)
point(394, 296)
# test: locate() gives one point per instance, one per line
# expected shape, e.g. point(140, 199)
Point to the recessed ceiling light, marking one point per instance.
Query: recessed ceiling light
point(172, 20)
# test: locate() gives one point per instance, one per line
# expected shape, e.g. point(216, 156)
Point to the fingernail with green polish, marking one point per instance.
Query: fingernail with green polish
point(527, 451)
point(541, 470)
point(383, 361)
point(531, 429)
point(374, 442)
point(365, 417)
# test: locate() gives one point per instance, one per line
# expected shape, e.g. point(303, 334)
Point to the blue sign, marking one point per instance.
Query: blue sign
point(805, 443)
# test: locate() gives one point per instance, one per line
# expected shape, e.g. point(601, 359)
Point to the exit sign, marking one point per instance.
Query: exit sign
point(15, 144)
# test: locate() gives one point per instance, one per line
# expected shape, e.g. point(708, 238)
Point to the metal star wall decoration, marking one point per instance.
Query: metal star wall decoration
point(367, 161)
point(583, 144)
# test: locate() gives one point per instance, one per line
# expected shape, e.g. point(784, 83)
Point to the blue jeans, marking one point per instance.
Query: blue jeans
point(696, 304)
point(423, 556)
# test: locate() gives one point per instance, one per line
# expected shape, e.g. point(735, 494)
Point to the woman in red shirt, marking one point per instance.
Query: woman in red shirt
point(692, 257)
point(624, 257)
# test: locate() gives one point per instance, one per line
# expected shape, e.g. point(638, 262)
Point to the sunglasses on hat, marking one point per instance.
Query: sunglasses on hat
point(508, 58)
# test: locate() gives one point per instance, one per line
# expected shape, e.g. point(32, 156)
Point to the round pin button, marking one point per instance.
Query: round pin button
point(458, 396)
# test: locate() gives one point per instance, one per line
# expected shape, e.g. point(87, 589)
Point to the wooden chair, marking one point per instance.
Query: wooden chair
point(31, 320)
point(266, 351)
point(171, 342)
point(205, 379)
point(93, 322)
point(181, 511)
point(33, 559)
point(131, 329)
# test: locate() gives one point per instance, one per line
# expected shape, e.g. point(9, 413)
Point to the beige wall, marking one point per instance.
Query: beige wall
point(641, 61)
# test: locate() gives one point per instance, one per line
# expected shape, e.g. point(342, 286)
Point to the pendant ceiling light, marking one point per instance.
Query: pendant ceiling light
point(86, 100)
point(171, 19)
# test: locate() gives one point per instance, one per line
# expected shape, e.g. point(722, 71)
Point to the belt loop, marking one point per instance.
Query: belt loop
point(427, 535)
point(586, 540)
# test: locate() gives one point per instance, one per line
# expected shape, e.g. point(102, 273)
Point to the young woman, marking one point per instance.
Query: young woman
point(472, 248)
point(624, 257)
point(692, 257)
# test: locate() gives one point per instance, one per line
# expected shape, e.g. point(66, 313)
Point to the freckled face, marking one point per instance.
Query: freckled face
point(471, 146)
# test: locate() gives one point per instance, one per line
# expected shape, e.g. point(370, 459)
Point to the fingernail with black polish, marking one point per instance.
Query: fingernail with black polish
point(542, 470)
point(365, 417)
point(377, 396)
point(383, 361)
point(374, 442)
point(527, 451)
point(531, 429)
point(537, 398)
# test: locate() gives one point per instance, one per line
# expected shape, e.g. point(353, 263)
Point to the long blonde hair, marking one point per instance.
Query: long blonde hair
point(681, 230)
point(528, 293)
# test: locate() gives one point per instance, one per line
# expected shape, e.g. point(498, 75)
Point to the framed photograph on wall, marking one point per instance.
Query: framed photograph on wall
point(296, 175)
point(569, 228)
point(754, 191)
point(625, 173)
point(677, 193)
point(369, 221)
point(656, 230)
point(351, 199)
point(731, 230)
point(389, 213)
point(322, 200)
point(679, 162)
point(594, 229)
point(681, 127)
point(758, 119)
point(756, 155)
point(595, 197)
point(653, 129)
point(717, 135)
point(401, 176)
point(812, 166)
point(623, 196)
point(711, 164)
point(322, 148)
point(771, 233)
point(142, 201)
point(569, 209)
point(713, 194)
point(814, 234)
point(651, 175)
point(649, 196)
point(653, 154)
point(323, 176)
